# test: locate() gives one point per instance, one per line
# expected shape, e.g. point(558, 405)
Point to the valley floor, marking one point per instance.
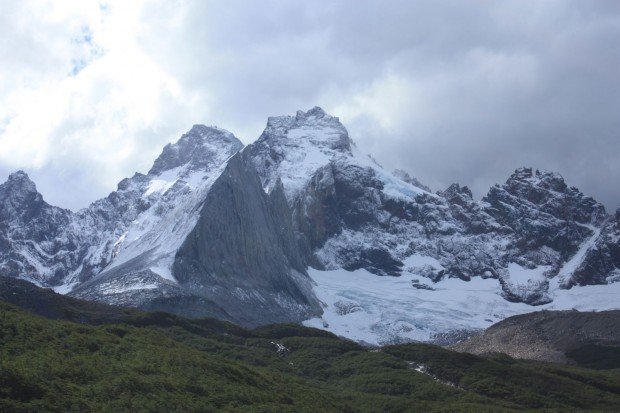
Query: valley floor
point(158, 362)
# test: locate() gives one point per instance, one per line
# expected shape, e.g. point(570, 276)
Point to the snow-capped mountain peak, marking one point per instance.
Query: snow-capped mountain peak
point(199, 148)
point(151, 212)
point(163, 205)
point(19, 198)
point(292, 148)
point(314, 127)
point(21, 178)
point(316, 112)
point(19, 187)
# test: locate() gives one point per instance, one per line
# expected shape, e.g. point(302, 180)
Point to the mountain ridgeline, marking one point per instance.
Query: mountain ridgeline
point(219, 229)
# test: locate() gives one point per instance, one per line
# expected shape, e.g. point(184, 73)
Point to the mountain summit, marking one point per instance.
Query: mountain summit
point(19, 192)
point(292, 148)
point(197, 149)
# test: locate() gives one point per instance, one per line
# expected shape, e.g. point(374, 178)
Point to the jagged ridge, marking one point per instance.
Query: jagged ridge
point(166, 240)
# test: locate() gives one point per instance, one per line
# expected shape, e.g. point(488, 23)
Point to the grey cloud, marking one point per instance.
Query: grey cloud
point(453, 91)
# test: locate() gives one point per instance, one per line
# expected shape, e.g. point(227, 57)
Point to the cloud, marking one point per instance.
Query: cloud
point(451, 91)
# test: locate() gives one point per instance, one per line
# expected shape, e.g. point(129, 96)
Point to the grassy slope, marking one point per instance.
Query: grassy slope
point(160, 362)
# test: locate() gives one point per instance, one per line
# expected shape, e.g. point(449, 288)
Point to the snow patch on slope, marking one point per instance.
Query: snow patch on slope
point(394, 186)
point(114, 288)
point(162, 183)
point(567, 270)
point(417, 260)
point(161, 233)
point(519, 275)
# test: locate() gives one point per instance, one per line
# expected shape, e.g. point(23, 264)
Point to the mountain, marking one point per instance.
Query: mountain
point(34, 241)
point(525, 241)
point(196, 235)
point(301, 226)
point(591, 338)
point(353, 214)
point(109, 359)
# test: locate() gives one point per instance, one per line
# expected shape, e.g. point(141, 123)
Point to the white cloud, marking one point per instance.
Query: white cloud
point(90, 91)
point(94, 107)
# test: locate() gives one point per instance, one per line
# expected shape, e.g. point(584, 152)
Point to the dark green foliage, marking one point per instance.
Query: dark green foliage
point(290, 330)
point(160, 362)
point(596, 357)
point(526, 383)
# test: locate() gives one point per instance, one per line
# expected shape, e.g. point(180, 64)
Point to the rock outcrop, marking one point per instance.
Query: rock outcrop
point(552, 336)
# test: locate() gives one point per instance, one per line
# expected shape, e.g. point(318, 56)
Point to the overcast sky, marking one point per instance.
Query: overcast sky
point(451, 91)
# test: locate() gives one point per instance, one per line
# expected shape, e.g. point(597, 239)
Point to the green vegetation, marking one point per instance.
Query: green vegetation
point(596, 356)
point(159, 362)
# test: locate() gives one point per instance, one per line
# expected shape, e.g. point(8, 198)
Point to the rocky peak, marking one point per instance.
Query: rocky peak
point(30, 232)
point(293, 148)
point(456, 192)
point(521, 174)
point(314, 126)
point(199, 147)
point(547, 192)
point(315, 112)
point(543, 212)
point(527, 178)
point(19, 192)
point(551, 180)
point(20, 181)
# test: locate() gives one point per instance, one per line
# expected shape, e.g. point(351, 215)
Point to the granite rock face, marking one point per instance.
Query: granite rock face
point(242, 253)
point(240, 261)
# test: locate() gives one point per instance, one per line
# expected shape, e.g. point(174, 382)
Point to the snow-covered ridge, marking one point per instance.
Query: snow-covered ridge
point(358, 216)
point(401, 262)
point(152, 212)
point(293, 148)
point(178, 182)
